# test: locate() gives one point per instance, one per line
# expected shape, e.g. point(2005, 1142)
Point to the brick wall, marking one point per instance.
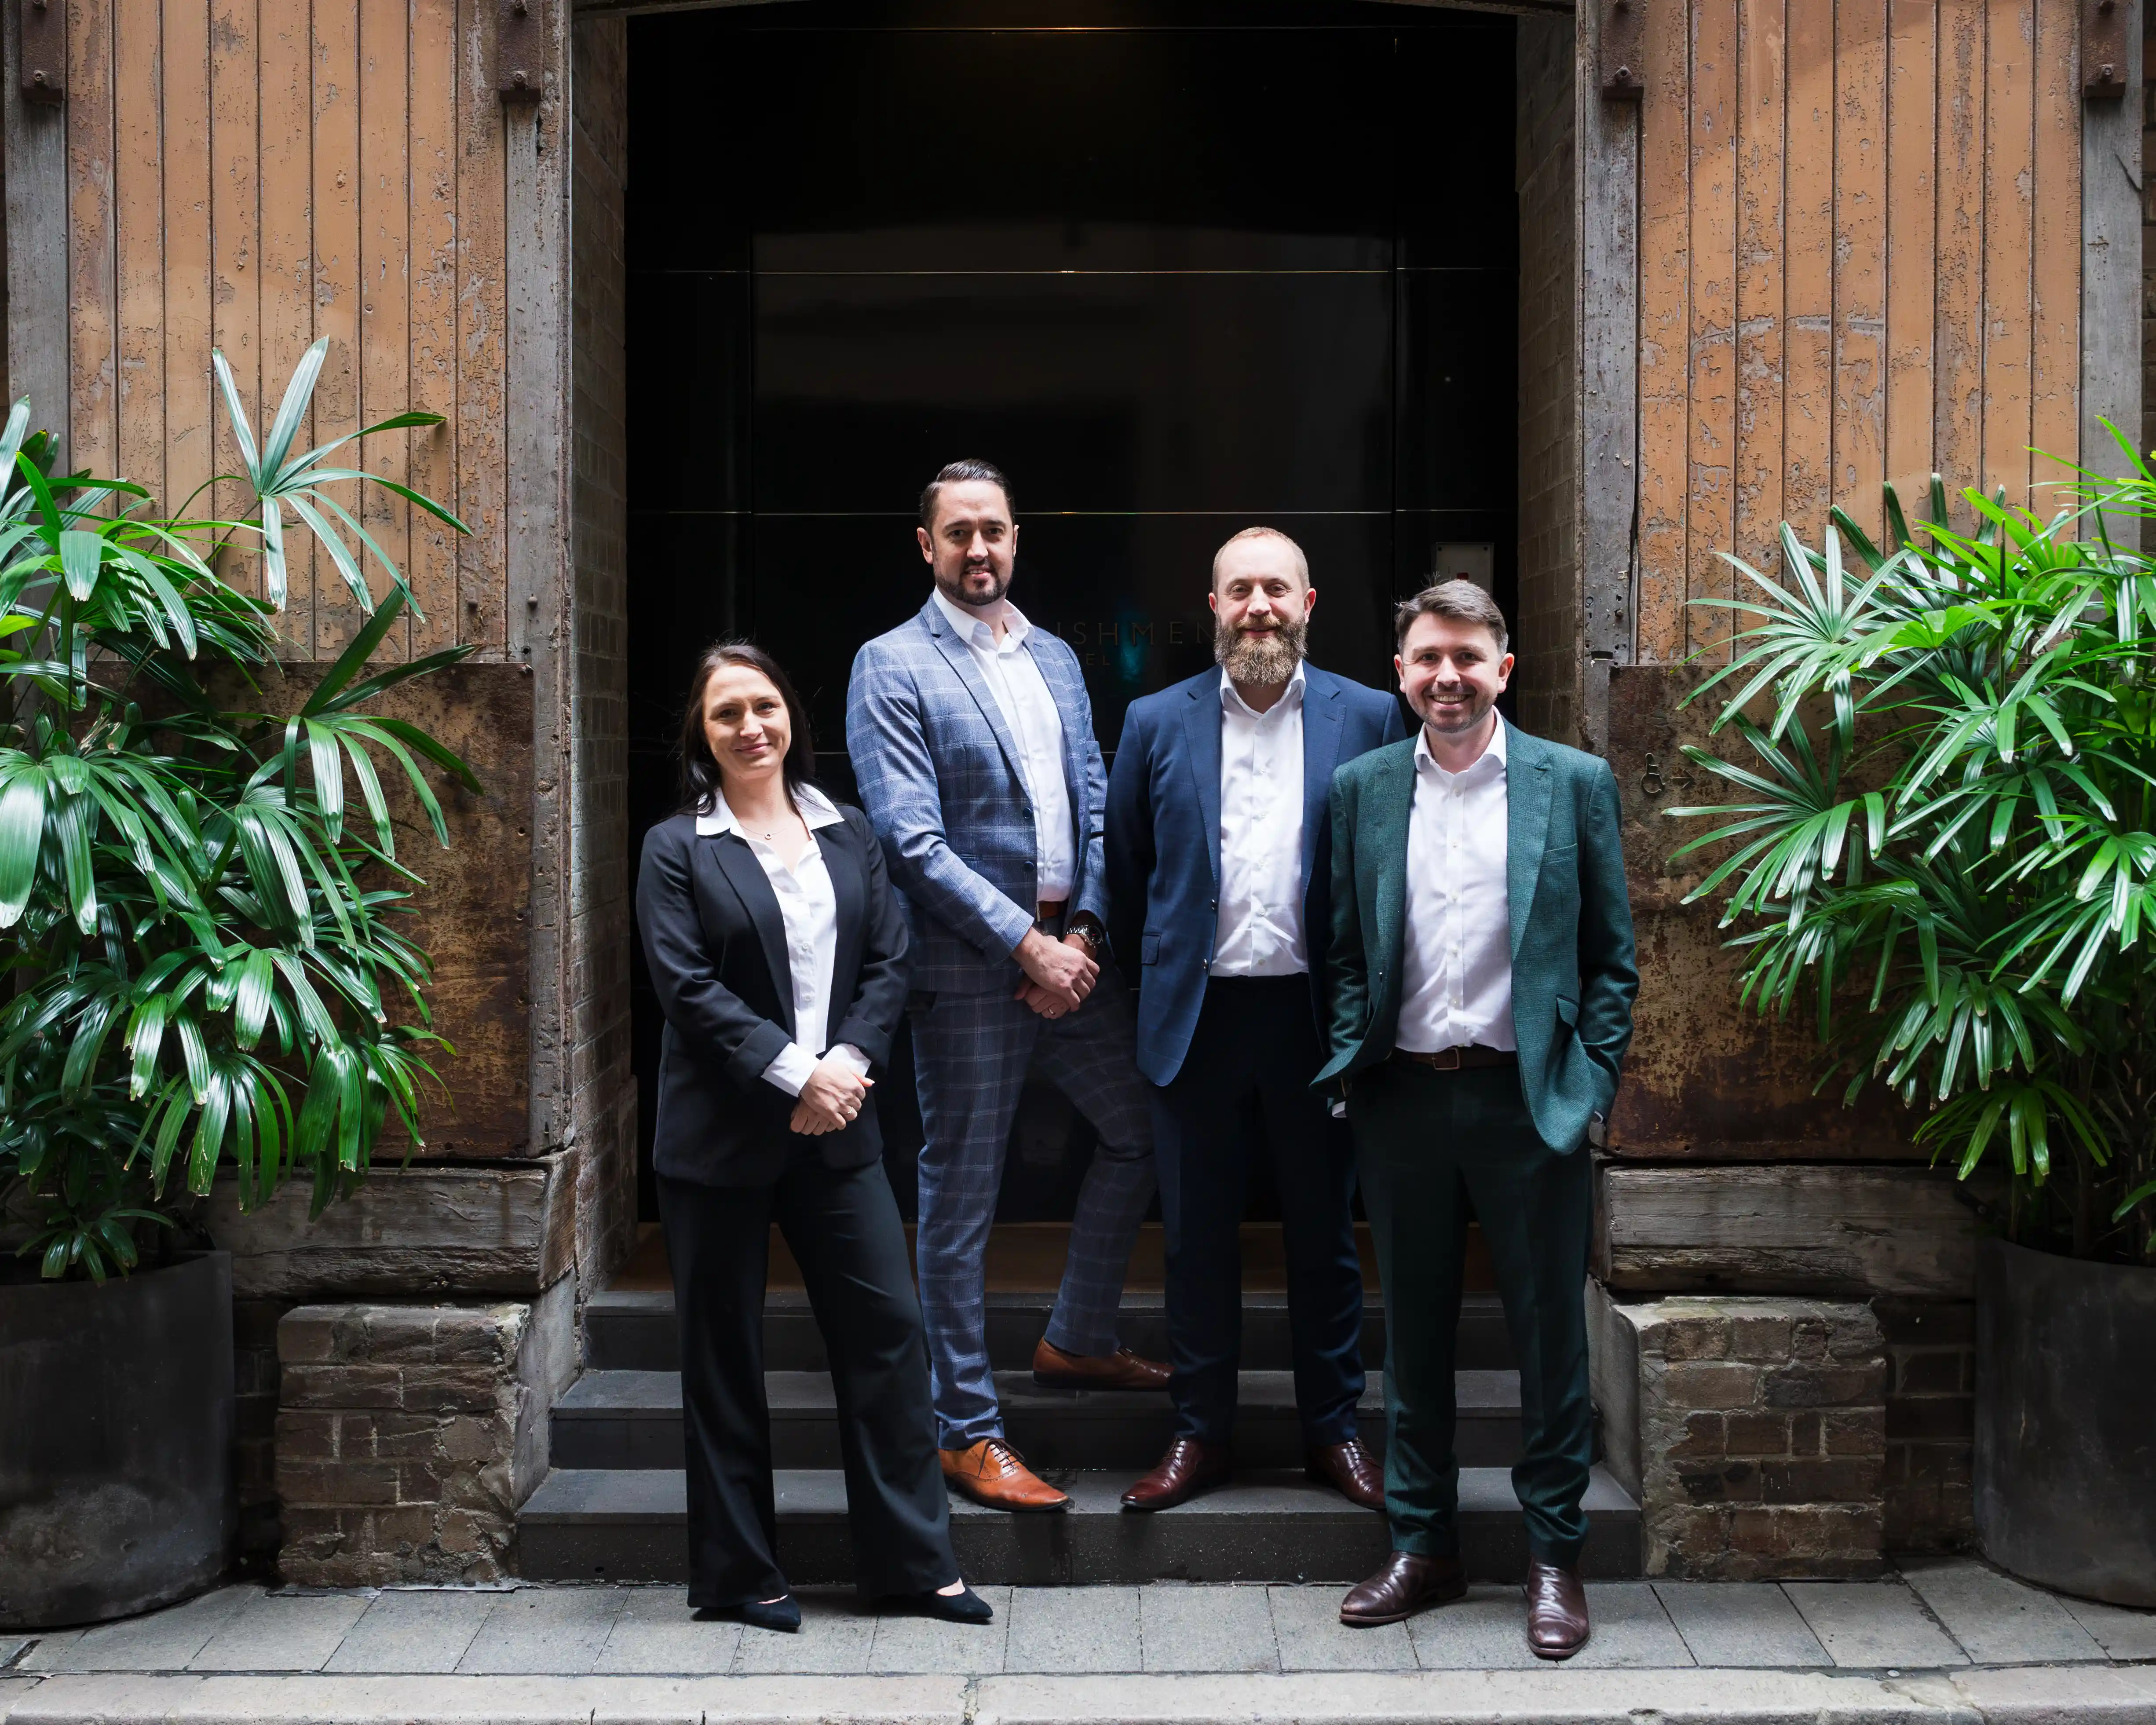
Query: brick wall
point(1547, 627)
point(602, 1088)
point(255, 1379)
point(2149, 249)
point(1931, 1422)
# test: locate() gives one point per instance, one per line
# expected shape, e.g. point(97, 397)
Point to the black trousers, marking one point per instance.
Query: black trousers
point(843, 1228)
point(1244, 1091)
point(1432, 1146)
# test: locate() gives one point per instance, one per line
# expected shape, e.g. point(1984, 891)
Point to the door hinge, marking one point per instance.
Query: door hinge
point(1618, 61)
point(2104, 48)
point(44, 52)
point(521, 48)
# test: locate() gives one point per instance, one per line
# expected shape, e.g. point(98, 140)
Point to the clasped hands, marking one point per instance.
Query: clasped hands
point(1059, 974)
point(832, 1095)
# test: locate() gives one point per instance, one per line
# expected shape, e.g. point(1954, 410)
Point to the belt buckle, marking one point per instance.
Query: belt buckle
point(1446, 1060)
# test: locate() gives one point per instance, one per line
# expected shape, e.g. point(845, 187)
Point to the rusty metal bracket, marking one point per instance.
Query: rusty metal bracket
point(520, 49)
point(44, 27)
point(2104, 49)
point(1618, 62)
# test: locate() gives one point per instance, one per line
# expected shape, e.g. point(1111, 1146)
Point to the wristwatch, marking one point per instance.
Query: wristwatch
point(1087, 928)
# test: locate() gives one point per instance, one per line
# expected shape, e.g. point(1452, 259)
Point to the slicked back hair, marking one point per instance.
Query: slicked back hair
point(959, 472)
point(1460, 600)
point(1301, 562)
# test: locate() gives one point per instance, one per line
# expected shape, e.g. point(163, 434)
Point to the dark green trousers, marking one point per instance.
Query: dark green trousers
point(1435, 1150)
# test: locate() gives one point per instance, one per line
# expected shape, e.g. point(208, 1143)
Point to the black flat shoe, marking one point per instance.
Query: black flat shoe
point(782, 1614)
point(965, 1606)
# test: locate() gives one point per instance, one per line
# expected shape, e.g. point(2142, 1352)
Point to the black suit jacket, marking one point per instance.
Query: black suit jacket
point(716, 946)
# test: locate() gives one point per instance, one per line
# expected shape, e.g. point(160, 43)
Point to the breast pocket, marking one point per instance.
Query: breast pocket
point(1149, 949)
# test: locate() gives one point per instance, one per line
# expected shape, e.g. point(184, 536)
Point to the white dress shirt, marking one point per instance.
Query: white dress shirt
point(1260, 932)
point(1456, 958)
point(808, 907)
point(1036, 727)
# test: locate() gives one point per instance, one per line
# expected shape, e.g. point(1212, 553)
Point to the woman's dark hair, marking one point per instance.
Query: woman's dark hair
point(700, 772)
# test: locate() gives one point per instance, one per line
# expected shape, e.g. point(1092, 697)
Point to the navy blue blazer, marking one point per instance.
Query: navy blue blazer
point(1163, 840)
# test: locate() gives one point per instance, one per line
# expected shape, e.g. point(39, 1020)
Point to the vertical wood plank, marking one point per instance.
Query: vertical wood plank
point(2055, 373)
point(1713, 318)
point(2010, 234)
point(1763, 26)
point(1958, 349)
point(2112, 211)
point(138, 206)
point(286, 142)
point(337, 99)
point(482, 336)
point(93, 288)
point(1808, 288)
point(235, 236)
point(187, 288)
point(385, 295)
point(1912, 225)
point(1860, 253)
point(433, 557)
point(1665, 318)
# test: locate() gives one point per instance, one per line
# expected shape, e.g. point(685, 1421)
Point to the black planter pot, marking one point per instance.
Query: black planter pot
point(117, 1492)
point(2066, 1422)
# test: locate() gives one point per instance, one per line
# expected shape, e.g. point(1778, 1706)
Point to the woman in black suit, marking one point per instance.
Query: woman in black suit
point(778, 951)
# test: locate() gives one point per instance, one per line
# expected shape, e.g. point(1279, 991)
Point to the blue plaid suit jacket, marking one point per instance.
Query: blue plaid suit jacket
point(938, 774)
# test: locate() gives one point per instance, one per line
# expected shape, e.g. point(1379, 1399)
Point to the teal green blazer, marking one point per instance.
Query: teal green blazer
point(1573, 974)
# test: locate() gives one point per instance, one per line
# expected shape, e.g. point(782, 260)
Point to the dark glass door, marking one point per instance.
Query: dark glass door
point(1178, 270)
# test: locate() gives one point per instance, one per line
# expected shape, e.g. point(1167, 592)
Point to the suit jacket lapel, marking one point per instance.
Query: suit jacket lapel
point(752, 886)
point(969, 673)
point(1201, 730)
point(1527, 826)
point(1069, 694)
point(1321, 754)
point(1392, 802)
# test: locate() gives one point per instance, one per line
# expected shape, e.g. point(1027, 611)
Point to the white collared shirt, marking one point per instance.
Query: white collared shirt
point(1260, 932)
point(1456, 953)
point(1036, 728)
point(808, 907)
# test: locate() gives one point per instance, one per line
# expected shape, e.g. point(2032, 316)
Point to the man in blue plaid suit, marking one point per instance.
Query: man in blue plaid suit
point(972, 744)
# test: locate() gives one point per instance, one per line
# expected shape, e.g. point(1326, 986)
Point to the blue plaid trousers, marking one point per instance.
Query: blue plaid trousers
point(971, 1055)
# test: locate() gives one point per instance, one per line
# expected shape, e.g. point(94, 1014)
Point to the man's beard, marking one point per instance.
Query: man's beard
point(1262, 657)
point(1478, 709)
point(955, 589)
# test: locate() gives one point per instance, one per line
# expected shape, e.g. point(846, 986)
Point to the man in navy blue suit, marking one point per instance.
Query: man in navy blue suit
point(1219, 874)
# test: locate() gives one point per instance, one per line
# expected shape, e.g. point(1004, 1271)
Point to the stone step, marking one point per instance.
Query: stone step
point(630, 1525)
point(633, 1419)
point(632, 1330)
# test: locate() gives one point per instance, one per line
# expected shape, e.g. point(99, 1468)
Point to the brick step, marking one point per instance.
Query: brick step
point(633, 1419)
point(630, 1525)
point(632, 1330)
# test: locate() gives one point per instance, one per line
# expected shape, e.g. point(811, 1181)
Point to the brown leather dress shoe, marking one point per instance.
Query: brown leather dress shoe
point(1055, 1369)
point(1557, 1611)
point(1407, 1584)
point(1190, 1467)
point(990, 1473)
point(1350, 1470)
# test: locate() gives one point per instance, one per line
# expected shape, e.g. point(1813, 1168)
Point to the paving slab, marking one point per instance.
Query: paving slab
point(905, 1643)
point(1997, 1619)
point(1207, 1629)
point(130, 1699)
point(2121, 1632)
point(1631, 1631)
point(161, 1641)
point(1485, 1631)
point(1551, 1696)
point(51, 1649)
point(1308, 1628)
point(1746, 1624)
point(413, 1629)
point(835, 1637)
point(553, 1631)
point(657, 1634)
point(11, 1690)
point(12, 1648)
point(292, 1632)
point(2057, 1695)
point(1074, 1629)
point(1873, 1625)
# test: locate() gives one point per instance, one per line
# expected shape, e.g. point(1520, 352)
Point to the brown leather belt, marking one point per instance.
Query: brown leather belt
point(1455, 1059)
point(1051, 912)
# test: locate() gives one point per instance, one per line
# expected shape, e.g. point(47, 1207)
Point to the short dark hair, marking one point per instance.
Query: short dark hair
point(700, 772)
point(1460, 599)
point(958, 472)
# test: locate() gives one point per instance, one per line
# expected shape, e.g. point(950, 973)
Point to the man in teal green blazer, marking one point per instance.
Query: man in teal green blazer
point(1479, 1005)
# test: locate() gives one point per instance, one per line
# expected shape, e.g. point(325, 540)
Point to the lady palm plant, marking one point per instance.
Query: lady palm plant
point(1943, 846)
point(200, 936)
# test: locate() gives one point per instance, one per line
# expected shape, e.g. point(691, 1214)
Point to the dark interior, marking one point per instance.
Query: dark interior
point(1177, 269)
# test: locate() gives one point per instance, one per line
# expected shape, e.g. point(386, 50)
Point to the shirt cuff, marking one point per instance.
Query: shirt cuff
point(791, 1069)
point(851, 1058)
